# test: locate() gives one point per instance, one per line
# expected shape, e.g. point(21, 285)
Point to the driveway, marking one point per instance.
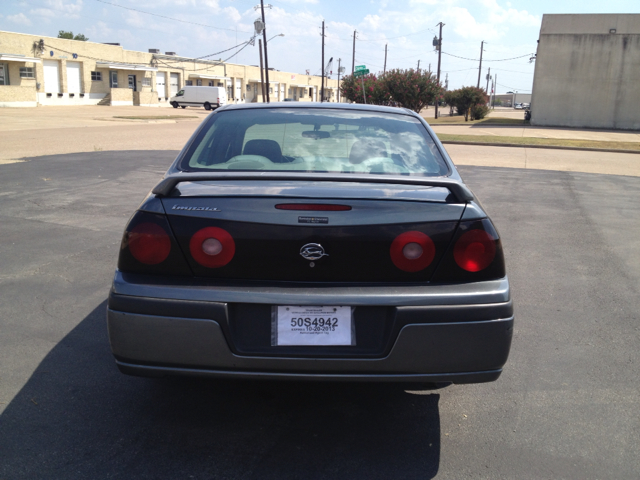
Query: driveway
point(565, 407)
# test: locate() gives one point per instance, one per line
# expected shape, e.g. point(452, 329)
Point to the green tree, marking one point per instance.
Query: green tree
point(70, 36)
point(450, 97)
point(374, 89)
point(412, 89)
point(405, 88)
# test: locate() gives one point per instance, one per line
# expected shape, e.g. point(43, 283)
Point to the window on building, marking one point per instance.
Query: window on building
point(311, 92)
point(199, 82)
point(211, 83)
point(26, 72)
point(220, 84)
point(96, 76)
point(4, 74)
point(248, 87)
point(270, 90)
point(188, 83)
point(146, 82)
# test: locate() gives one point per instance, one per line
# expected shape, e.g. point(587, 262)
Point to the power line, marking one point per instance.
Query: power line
point(399, 36)
point(477, 60)
point(222, 51)
point(514, 88)
point(167, 18)
point(513, 71)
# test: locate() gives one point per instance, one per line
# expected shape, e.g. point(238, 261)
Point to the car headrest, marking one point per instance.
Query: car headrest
point(266, 148)
point(366, 148)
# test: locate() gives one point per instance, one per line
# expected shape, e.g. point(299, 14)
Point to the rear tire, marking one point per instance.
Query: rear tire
point(207, 106)
point(174, 104)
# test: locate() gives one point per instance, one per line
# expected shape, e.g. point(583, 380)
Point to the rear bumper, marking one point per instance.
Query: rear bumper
point(436, 340)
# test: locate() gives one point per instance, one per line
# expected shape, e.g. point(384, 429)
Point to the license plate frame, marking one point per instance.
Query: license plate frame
point(312, 326)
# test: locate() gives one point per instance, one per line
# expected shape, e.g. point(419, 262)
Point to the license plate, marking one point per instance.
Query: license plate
point(312, 326)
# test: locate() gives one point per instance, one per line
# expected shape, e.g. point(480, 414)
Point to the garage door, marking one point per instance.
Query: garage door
point(160, 80)
point(51, 70)
point(174, 79)
point(73, 77)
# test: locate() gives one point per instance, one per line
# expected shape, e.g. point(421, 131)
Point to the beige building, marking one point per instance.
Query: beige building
point(587, 72)
point(36, 70)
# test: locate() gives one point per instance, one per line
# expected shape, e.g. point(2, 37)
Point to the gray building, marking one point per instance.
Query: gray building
point(587, 72)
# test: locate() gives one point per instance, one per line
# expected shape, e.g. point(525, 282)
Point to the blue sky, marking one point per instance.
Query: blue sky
point(200, 27)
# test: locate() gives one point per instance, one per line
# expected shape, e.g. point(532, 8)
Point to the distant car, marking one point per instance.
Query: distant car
point(199, 96)
point(312, 241)
point(526, 105)
point(518, 106)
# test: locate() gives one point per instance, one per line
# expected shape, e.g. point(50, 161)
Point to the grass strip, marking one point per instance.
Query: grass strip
point(546, 142)
point(157, 117)
point(459, 120)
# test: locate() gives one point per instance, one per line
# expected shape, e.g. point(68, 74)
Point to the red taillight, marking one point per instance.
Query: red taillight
point(318, 207)
point(474, 250)
point(412, 251)
point(149, 243)
point(212, 247)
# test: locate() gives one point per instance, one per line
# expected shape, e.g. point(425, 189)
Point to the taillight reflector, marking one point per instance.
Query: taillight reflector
point(318, 207)
point(474, 250)
point(412, 251)
point(149, 243)
point(212, 247)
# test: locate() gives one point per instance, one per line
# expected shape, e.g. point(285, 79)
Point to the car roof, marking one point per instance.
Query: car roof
point(324, 105)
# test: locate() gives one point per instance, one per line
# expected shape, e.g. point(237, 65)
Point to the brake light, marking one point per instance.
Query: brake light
point(474, 250)
point(318, 207)
point(475, 254)
point(212, 247)
point(149, 243)
point(412, 251)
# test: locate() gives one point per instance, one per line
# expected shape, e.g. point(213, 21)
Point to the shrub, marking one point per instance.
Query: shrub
point(478, 112)
point(467, 97)
point(405, 88)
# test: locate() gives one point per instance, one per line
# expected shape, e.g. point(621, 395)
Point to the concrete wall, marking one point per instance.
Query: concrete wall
point(586, 76)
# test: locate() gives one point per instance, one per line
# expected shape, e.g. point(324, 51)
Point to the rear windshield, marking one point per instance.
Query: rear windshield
point(315, 140)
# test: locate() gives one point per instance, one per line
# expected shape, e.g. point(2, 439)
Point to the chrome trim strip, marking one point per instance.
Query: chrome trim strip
point(494, 291)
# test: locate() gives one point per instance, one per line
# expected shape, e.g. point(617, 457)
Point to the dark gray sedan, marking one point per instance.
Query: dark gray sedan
point(312, 241)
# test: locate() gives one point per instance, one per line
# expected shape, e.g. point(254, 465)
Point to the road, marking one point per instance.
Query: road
point(566, 406)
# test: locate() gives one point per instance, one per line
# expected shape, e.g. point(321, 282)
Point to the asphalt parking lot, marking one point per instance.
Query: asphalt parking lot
point(566, 406)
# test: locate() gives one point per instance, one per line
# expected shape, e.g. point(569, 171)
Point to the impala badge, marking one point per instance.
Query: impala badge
point(313, 251)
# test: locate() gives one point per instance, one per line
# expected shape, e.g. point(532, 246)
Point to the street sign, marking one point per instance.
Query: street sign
point(360, 67)
point(360, 73)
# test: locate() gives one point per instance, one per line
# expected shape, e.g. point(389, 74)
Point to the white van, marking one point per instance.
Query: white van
point(207, 97)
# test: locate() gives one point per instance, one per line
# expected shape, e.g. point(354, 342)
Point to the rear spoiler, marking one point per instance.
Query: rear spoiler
point(458, 189)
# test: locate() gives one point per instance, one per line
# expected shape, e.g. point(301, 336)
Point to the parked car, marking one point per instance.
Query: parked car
point(197, 96)
point(312, 241)
point(518, 106)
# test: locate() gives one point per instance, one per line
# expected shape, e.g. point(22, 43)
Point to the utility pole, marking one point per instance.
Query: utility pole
point(322, 84)
point(429, 68)
point(492, 94)
point(266, 58)
point(439, 46)
point(418, 66)
point(495, 90)
point(353, 58)
point(385, 58)
point(264, 98)
point(339, 60)
point(480, 69)
point(488, 78)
